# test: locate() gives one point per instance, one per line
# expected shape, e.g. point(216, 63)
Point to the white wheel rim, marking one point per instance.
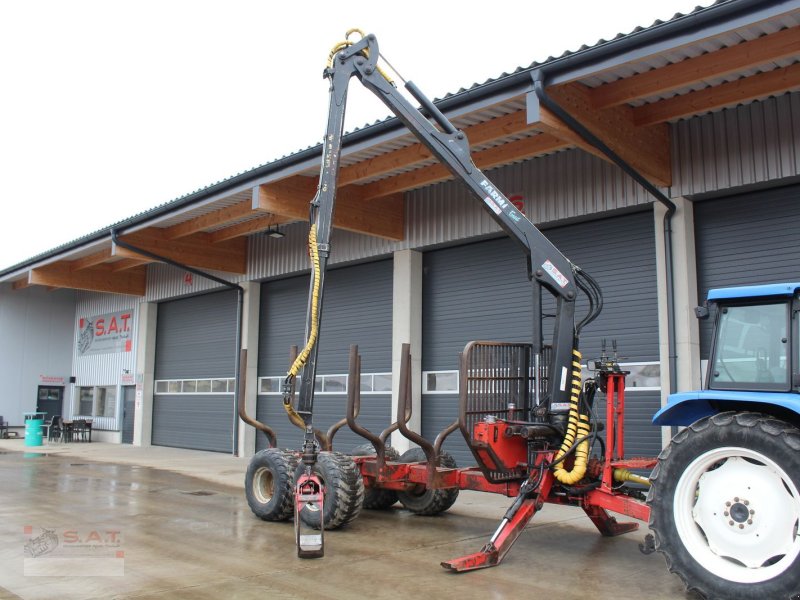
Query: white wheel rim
point(263, 485)
point(736, 512)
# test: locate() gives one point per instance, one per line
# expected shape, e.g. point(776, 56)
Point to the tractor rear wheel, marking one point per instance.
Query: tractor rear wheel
point(424, 501)
point(269, 484)
point(344, 490)
point(725, 507)
point(377, 498)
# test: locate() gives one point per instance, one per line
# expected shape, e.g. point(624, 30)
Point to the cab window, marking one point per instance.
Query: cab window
point(752, 349)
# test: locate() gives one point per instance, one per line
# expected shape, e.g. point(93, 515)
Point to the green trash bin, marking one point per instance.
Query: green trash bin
point(33, 428)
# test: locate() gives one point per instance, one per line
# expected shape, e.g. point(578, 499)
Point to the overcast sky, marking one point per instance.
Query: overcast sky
point(109, 108)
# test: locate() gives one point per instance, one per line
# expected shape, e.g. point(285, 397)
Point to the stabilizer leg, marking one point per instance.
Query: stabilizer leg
point(605, 523)
point(527, 503)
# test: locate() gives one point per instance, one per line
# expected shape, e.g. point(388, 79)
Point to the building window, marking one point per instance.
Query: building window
point(440, 382)
point(371, 383)
point(85, 401)
point(642, 376)
point(194, 387)
point(106, 402)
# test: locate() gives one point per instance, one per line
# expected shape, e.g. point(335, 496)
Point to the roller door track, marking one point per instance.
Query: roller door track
point(480, 291)
point(195, 341)
point(357, 310)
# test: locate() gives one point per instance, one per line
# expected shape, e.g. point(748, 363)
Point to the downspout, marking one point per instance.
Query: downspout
point(539, 82)
point(239, 310)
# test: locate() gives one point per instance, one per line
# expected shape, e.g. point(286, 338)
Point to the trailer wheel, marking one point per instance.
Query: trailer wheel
point(269, 484)
point(421, 500)
point(344, 490)
point(725, 507)
point(377, 498)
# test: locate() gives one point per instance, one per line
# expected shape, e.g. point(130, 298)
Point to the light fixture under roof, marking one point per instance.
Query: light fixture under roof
point(274, 232)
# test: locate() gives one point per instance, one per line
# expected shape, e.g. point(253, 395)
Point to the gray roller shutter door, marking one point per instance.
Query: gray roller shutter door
point(481, 291)
point(357, 309)
point(195, 338)
point(746, 240)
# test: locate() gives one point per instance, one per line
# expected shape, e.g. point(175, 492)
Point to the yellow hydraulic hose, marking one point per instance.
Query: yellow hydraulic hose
point(577, 427)
point(313, 332)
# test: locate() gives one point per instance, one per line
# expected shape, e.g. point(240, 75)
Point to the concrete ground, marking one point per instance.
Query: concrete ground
point(116, 521)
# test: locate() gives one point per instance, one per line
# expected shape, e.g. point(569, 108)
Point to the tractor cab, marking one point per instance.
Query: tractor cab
point(753, 361)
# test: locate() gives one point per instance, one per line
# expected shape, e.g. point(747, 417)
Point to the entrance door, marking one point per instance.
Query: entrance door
point(49, 400)
point(128, 401)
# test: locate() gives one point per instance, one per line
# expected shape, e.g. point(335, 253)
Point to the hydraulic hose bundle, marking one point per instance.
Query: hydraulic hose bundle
point(313, 332)
point(578, 428)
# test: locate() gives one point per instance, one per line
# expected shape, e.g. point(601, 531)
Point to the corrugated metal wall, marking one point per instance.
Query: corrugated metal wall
point(745, 240)
point(480, 291)
point(37, 327)
point(168, 282)
point(103, 369)
point(357, 309)
point(195, 338)
point(736, 147)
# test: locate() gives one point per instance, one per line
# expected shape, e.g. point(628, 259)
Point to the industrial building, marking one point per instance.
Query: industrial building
point(704, 109)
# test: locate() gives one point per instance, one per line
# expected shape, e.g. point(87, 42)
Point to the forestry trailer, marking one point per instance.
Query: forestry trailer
point(722, 499)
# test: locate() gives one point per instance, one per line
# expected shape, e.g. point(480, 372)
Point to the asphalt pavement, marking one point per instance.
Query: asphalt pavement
point(115, 521)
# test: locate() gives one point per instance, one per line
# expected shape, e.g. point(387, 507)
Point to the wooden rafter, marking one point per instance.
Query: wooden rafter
point(720, 96)
point(646, 149)
point(289, 198)
point(746, 55)
point(97, 279)
point(247, 228)
point(89, 261)
point(196, 250)
point(212, 219)
point(128, 263)
point(480, 133)
point(513, 151)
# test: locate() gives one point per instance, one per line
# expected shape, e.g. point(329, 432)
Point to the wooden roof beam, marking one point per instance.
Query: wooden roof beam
point(97, 279)
point(646, 149)
point(492, 157)
point(89, 261)
point(213, 219)
point(728, 94)
point(129, 263)
point(480, 133)
point(248, 227)
point(745, 55)
point(290, 197)
point(196, 250)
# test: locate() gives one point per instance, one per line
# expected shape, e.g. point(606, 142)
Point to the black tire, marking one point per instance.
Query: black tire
point(269, 484)
point(377, 498)
point(724, 507)
point(344, 490)
point(421, 500)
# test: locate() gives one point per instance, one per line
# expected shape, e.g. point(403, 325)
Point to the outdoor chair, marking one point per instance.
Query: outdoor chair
point(55, 430)
point(80, 431)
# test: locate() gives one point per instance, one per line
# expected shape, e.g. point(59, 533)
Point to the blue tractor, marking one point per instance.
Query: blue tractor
point(725, 496)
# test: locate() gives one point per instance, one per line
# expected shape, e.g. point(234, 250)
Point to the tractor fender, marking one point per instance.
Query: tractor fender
point(684, 408)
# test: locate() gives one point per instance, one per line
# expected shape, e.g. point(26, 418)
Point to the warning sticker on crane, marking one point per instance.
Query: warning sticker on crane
point(557, 276)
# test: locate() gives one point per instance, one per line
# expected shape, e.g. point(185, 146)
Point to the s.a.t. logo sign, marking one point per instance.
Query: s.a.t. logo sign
point(105, 334)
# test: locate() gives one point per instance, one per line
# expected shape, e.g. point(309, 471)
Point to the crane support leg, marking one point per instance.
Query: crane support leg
point(525, 506)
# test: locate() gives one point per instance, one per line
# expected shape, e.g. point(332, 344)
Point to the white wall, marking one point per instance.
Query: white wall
point(37, 333)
